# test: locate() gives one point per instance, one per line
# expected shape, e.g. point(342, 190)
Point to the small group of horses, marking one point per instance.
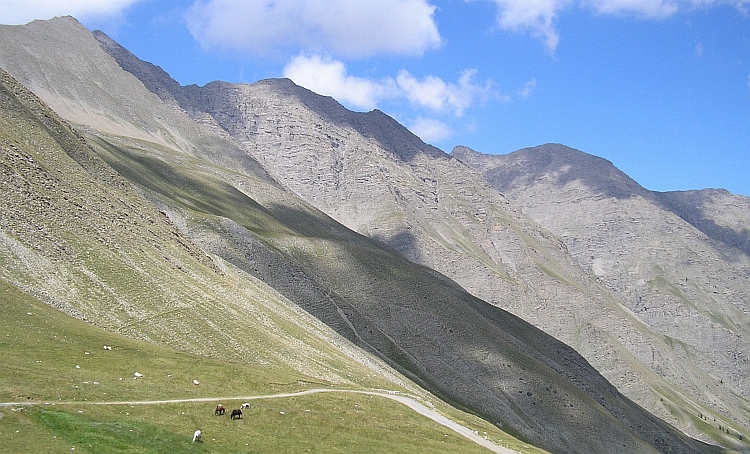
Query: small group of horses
point(220, 410)
point(236, 413)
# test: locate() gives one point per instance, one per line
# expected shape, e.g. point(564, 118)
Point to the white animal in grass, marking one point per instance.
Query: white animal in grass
point(197, 436)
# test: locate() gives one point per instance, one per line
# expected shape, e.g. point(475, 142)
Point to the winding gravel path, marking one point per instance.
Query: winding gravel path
point(408, 401)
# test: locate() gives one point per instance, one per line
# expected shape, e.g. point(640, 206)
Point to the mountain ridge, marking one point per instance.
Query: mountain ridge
point(441, 215)
point(632, 241)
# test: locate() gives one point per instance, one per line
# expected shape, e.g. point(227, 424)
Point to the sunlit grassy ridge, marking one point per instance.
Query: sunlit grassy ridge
point(65, 360)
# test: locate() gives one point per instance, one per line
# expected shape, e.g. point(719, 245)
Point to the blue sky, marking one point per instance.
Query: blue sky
point(659, 87)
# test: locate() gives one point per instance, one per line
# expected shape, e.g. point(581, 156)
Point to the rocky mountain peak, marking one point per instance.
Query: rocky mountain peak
point(555, 163)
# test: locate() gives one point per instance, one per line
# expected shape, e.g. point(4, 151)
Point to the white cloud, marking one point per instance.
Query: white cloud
point(741, 5)
point(431, 130)
point(538, 17)
point(345, 28)
point(534, 16)
point(649, 9)
point(329, 77)
point(434, 93)
point(23, 11)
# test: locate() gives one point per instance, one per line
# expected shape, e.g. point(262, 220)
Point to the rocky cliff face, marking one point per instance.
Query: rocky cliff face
point(677, 261)
point(262, 174)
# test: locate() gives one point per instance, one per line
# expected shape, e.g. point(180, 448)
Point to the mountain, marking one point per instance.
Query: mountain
point(678, 261)
point(77, 240)
point(79, 237)
point(213, 158)
point(372, 175)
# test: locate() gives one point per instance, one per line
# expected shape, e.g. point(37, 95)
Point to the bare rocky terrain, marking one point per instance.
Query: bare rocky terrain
point(404, 250)
point(677, 261)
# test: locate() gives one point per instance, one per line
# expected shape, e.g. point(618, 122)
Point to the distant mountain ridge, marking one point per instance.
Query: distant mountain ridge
point(678, 260)
point(223, 181)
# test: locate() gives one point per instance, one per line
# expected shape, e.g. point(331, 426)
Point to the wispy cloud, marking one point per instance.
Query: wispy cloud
point(538, 17)
point(534, 16)
point(647, 9)
point(527, 89)
point(23, 11)
point(330, 77)
point(345, 28)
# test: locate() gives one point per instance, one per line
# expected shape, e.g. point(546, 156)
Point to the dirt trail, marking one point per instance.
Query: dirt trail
point(408, 401)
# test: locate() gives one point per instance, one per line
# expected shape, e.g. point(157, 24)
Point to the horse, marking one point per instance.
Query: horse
point(236, 413)
point(219, 410)
point(197, 436)
point(244, 406)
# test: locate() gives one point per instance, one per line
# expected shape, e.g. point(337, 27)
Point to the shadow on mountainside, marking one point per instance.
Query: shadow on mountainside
point(723, 234)
point(405, 242)
point(688, 206)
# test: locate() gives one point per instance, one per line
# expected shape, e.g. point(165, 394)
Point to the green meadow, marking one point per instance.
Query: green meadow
point(57, 371)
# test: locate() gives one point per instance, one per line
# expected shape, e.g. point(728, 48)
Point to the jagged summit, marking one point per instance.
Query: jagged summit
point(374, 125)
point(556, 162)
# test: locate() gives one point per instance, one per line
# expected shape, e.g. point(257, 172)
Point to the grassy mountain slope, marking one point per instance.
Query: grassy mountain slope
point(77, 237)
point(41, 348)
point(677, 261)
point(425, 325)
